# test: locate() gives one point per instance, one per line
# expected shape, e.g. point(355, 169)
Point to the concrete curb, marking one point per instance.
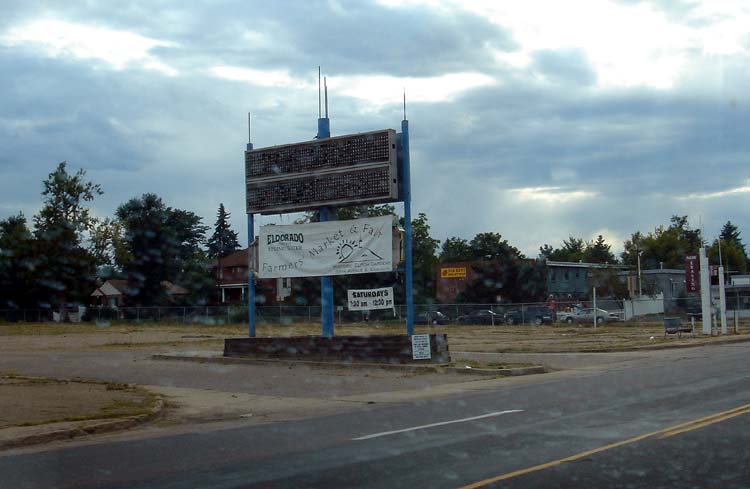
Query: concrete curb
point(292, 363)
point(87, 428)
point(722, 341)
point(502, 372)
point(440, 369)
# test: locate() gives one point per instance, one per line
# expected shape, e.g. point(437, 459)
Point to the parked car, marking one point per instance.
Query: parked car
point(431, 317)
point(534, 314)
point(585, 316)
point(482, 316)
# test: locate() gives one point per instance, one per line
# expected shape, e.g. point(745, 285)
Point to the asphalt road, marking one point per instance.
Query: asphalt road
point(602, 427)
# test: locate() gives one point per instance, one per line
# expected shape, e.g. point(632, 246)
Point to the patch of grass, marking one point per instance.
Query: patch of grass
point(143, 402)
point(53, 329)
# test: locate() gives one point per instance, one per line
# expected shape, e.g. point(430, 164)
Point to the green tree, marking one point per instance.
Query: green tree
point(532, 281)
point(599, 252)
point(491, 246)
point(665, 246)
point(352, 212)
point(572, 250)
point(224, 240)
point(609, 284)
point(731, 233)
point(503, 273)
point(16, 263)
point(161, 244)
point(105, 242)
point(455, 249)
point(732, 255)
point(424, 259)
point(357, 212)
point(66, 270)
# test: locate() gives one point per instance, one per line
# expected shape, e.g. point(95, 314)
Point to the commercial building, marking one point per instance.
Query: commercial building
point(452, 279)
point(573, 280)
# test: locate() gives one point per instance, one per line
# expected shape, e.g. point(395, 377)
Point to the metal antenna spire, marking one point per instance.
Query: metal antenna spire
point(325, 88)
point(319, 107)
point(404, 103)
point(250, 127)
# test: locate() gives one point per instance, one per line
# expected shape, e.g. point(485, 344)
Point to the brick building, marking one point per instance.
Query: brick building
point(231, 272)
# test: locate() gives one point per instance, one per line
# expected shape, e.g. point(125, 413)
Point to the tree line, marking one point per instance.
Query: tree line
point(67, 252)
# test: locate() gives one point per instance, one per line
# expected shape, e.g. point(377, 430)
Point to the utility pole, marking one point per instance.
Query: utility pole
point(640, 285)
point(596, 311)
point(722, 294)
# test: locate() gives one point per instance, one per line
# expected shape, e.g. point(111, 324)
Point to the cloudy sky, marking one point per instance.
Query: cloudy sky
point(535, 119)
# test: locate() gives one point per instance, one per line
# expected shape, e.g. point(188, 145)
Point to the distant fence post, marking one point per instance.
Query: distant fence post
point(736, 322)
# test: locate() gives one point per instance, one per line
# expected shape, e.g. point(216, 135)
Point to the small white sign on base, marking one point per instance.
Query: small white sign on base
point(420, 347)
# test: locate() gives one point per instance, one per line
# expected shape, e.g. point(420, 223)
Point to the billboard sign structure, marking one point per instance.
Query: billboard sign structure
point(346, 170)
point(692, 273)
point(325, 248)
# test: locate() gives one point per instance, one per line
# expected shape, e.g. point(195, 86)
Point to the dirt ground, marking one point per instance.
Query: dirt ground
point(31, 401)
point(500, 339)
point(269, 393)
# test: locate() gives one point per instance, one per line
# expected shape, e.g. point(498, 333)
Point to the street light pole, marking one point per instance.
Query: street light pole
point(640, 285)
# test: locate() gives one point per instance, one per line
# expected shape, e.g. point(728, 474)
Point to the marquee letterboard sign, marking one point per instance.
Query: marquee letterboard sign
point(340, 171)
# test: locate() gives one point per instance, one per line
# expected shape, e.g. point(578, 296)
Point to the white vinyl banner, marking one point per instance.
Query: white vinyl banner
point(326, 248)
point(365, 300)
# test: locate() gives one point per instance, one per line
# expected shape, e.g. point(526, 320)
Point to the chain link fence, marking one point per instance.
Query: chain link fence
point(534, 313)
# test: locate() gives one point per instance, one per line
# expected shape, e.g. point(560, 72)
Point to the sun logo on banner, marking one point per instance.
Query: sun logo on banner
point(346, 249)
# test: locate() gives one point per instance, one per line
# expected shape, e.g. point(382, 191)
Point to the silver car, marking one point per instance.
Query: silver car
point(586, 316)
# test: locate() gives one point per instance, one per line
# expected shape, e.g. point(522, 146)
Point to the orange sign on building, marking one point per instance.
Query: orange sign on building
point(453, 272)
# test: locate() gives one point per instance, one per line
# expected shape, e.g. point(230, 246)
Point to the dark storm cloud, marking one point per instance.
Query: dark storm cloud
point(56, 110)
point(547, 125)
point(357, 37)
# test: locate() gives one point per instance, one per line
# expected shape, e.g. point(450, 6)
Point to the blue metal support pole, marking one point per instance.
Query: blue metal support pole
point(406, 181)
point(250, 279)
point(326, 283)
point(250, 276)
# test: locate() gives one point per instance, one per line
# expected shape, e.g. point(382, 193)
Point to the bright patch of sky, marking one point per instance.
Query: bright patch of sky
point(745, 189)
point(387, 90)
point(551, 195)
point(61, 39)
point(263, 78)
point(627, 45)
